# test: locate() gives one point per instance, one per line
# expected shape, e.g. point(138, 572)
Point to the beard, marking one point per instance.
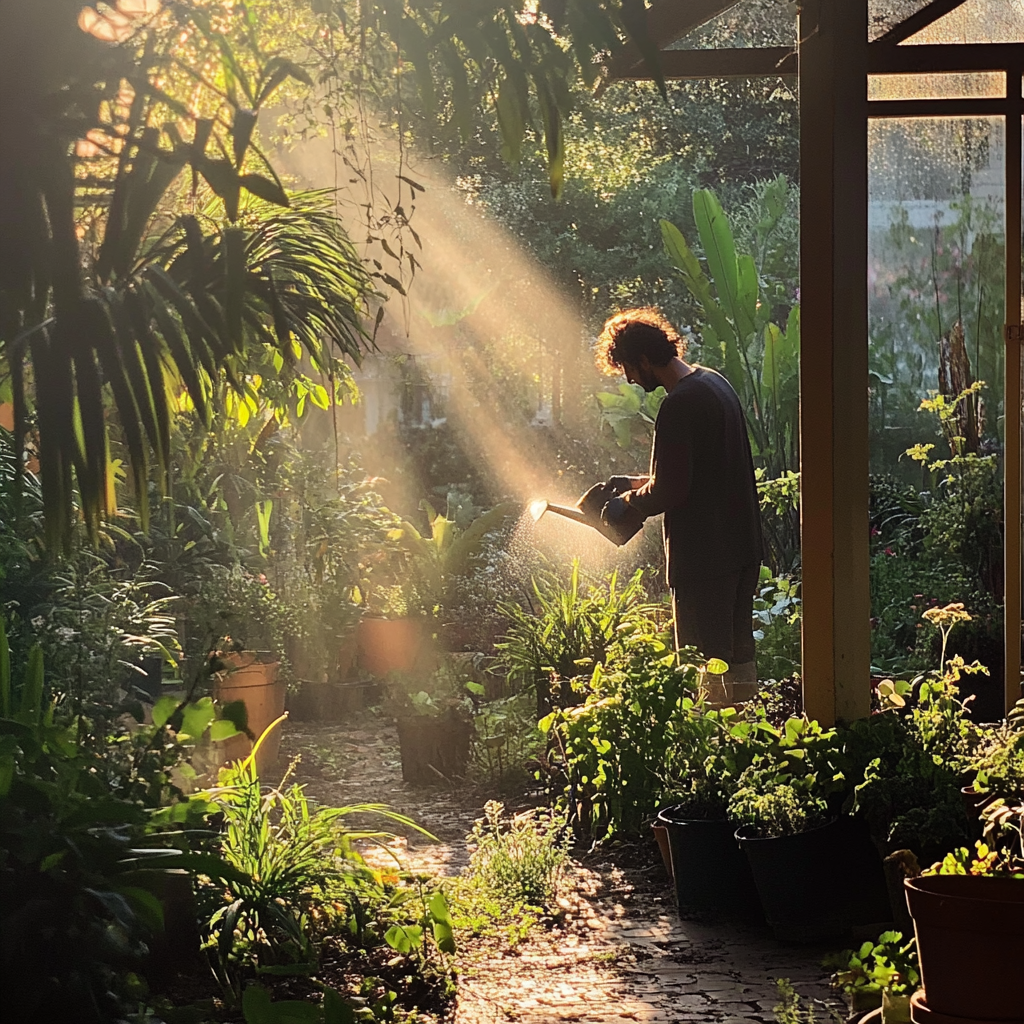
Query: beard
point(647, 381)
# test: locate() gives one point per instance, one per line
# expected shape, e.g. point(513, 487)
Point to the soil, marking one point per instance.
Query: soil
point(618, 950)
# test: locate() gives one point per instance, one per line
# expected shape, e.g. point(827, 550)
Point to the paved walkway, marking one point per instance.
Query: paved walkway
point(619, 951)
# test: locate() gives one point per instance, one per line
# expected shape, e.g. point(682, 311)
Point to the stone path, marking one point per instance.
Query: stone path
point(619, 951)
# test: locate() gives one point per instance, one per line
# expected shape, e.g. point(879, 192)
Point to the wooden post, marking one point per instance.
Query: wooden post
point(1012, 408)
point(834, 359)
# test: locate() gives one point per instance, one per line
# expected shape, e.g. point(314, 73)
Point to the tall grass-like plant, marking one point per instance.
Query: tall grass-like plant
point(277, 858)
point(569, 628)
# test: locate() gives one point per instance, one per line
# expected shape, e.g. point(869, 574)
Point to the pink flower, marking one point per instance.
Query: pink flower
point(889, 551)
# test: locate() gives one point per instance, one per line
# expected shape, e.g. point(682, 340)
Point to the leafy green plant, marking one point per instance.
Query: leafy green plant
point(276, 860)
point(886, 965)
point(777, 608)
point(999, 762)
point(445, 691)
point(772, 804)
point(569, 627)
point(506, 741)
point(616, 748)
point(794, 784)
point(80, 798)
point(234, 609)
point(435, 560)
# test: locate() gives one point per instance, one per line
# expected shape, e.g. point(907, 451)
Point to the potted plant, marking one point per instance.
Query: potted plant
point(409, 590)
point(814, 868)
point(434, 715)
point(967, 912)
point(709, 869)
point(242, 626)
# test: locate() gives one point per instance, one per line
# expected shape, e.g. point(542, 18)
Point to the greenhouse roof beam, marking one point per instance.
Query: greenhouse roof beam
point(917, 22)
point(667, 22)
point(938, 57)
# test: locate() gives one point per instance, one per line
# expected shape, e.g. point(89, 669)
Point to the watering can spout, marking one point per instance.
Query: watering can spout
point(588, 513)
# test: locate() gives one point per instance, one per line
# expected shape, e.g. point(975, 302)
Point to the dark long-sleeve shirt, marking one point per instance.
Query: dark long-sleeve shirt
point(702, 479)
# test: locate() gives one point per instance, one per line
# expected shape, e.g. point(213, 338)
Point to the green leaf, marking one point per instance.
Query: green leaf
point(511, 122)
point(265, 189)
point(163, 709)
point(404, 938)
point(336, 1009)
point(439, 907)
point(717, 667)
point(222, 730)
point(197, 717)
point(242, 126)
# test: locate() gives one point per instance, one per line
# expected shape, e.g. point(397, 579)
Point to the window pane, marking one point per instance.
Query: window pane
point(977, 21)
point(936, 292)
point(884, 15)
point(938, 86)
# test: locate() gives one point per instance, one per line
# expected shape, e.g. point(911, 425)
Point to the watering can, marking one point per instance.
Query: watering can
point(588, 512)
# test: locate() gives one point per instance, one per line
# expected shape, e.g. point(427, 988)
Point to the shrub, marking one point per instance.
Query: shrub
point(521, 860)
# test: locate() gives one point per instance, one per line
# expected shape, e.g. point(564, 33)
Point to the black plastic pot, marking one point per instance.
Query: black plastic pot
point(434, 748)
point(816, 884)
point(711, 872)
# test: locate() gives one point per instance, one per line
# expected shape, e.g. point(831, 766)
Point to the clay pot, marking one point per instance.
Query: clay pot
point(974, 802)
point(257, 686)
point(970, 940)
point(661, 838)
point(393, 645)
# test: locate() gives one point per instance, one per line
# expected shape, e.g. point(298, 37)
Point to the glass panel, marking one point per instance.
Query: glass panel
point(936, 280)
point(750, 23)
point(977, 21)
point(938, 86)
point(884, 15)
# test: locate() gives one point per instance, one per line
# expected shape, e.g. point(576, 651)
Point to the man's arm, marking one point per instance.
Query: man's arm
point(668, 486)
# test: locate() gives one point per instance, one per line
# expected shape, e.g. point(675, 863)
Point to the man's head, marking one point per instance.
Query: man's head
point(637, 342)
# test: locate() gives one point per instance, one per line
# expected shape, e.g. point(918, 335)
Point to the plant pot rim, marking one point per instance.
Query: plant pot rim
point(742, 838)
point(956, 887)
point(664, 818)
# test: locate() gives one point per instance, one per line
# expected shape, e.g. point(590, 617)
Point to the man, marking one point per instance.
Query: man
point(702, 479)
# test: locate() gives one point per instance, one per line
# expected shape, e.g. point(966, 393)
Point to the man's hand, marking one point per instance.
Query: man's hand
point(620, 484)
point(615, 511)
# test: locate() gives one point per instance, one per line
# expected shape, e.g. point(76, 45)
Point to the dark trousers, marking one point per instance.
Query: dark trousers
point(714, 613)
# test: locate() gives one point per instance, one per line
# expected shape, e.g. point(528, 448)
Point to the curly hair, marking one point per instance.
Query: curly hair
point(634, 333)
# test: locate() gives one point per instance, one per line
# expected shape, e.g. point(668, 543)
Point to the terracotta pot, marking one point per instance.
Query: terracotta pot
point(661, 838)
point(257, 686)
point(393, 645)
point(970, 940)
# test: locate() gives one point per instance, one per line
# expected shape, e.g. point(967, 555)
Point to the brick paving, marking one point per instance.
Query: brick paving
point(618, 951)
